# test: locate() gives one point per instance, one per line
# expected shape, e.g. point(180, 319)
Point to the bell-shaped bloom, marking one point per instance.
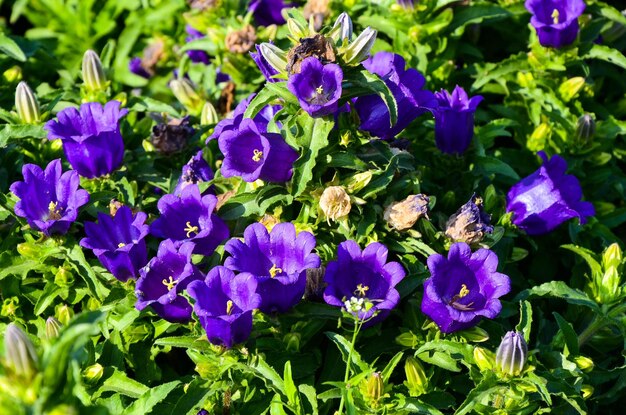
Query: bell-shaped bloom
point(363, 282)
point(190, 218)
point(261, 120)
point(254, 155)
point(268, 12)
point(278, 260)
point(547, 198)
point(454, 120)
point(135, 65)
point(91, 137)
point(119, 242)
point(463, 288)
point(196, 56)
point(405, 85)
point(196, 170)
point(317, 87)
point(266, 69)
point(49, 200)
point(556, 21)
point(163, 280)
point(224, 303)
point(470, 223)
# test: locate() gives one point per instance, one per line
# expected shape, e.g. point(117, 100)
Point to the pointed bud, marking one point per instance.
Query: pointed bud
point(63, 277)
point(512, 353)
point(13, 74)
point(342, 29)
point(64, 314)
point(537, 140)
point(209, 116)
point(93, 72)
point(335, 202)
point(20, 355)
point(484, 358)
point(374, 389)
point(185, 93)
point(53, 328)
point(416, 380)
point(93, 373)
point(609, 286)
point(359, 50)
point(276, 57)
point(587, 391)
point(292, 342)
point(570, 88)
point(26, 104)
point(584, 363)
point(585, 130)
point(359, 181)
point(297, 30)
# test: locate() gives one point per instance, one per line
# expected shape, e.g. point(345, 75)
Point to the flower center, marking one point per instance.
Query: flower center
point(169, 283)
point(555, 16)
point(361, 290)
point(229, 307)
point(354, 305)
point(454, 302)
point(275, 271)
point(54, 213)
point(320, 97)
point(319, 89)
point(258, 155)
point(189, 229)
point(121, 245)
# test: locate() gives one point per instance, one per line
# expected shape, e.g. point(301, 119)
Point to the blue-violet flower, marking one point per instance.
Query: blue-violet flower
point(268, 12)
point(196, 56)
point(197, 170)
point(454, 120)
point(317, 87)
point(556, 21)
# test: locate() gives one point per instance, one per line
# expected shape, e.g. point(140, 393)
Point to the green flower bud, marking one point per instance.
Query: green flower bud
point(209, 116)
point(20, 355)
point(537, 140)
point(93, 72)
point(475, 334)
point(374, 389)
point(275, 56)
point(585, 130)
point(512, 353)
point(416, 380)
point(52, 328)
point(63, 277)
point(13, 74)
point(342, 29)
point(64, 314)
point(484, 359)
point(608, 286)
point(296, 29)
point(10, 307)
point(63, 410)
point(26, 104)
point(359, 50)
point(292, 341)
point(587, 391)
point(185, 93)
point(584, 363)
point(358, 181)
point(570, 88)
point(93, 373)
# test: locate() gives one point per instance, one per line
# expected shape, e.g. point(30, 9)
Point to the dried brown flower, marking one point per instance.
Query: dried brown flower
point(241, 41)
point(403, 215)
point(318, 46)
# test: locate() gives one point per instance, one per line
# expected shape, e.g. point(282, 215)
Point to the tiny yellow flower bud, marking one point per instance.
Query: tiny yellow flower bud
point(374, 389)
point(93, 373)
point(537, 140)
point(184, 92)
point(64, 314)
point(335, 202)
point(587, 391)
point(584, 363)
point(484, 359)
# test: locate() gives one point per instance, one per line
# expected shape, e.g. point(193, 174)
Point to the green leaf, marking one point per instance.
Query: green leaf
point(15, 132)
point(81, 266)
point(559, 289)
point(276, 406)
point(311, 395)
point(381, 180)
point(480, 394)
point(477, 14)
point(525, 319)
point(606, 54)
point(491, 165)
point(150, 399)
point(11, 49)
point(264, 371)
point(291, 390)
point(364, 83)
point(589, 257)
point(185, 342)
point(317, 131)
point(344, 347)
point(570, 336)
point(50, 292)
point(446, 354)
point(416, 406)
point(386, 373)
point(119, 382)
point(242, 205)
point(261, 99)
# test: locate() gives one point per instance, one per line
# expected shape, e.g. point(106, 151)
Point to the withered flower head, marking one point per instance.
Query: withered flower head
point(241, 41)
point(172, 136)
point(315, 283)
point(226, 99)
point(403, 215)
point(335, 202)
point(317, 46)
point(470, 223)
point(114, 206)
point(319, 10)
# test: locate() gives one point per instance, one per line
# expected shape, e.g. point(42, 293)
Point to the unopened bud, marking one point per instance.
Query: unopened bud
point(537, 140)
point(359, 50)
point(53, 327)
point(292, 342)
point(407, 4)
point(403, 215)
point(609, 287)
point(209, 116)
point(525, 79)
point(359, 181)
point(93, 373)
point(63, 277)
point(335, 202)
point(484, 358)
point(185, 93)
point(26, 104)
point(64, 314)
point(475, 334)
point(13, 74)
point(570, 88)
point(93, 72)
point(587, 391)
point(585, 129)
point(342, 29)
point(63, 410)
point(276, 57)
point(584, 363)
point(512, 353)
point(20, 356)
point(297, 29)
point(416, 380)
point(374, 389)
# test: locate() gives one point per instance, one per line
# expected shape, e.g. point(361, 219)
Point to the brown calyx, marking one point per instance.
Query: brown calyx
point(317, 46)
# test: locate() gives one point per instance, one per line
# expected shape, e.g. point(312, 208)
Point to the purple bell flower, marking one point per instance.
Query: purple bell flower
point(317, 87)
point(278, 260)
point(407, 4)
point(547, 198)
point(196, 56)
point(190, 218)
point(119, 242)
point(266, 69)
point(463, 288)
point(406, 87)
point(196, 170)
point(224, 303)
point(91, 138)
point(136, 67)
point(454, 120)
point(268, 12)
point(255, 155)
point(261, 120)
point(49, 200)
point(363, 282)
point(164, 279)
point(556, 21)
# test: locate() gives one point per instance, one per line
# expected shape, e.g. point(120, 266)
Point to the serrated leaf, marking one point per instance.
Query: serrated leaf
point(186, 342)
point(119, 382)
point(146, 402)
point(11, 49)
point(559, 289)
point(364, 83)
point(344, 347)
point(15, 132)
point(317, 139)
point(606, 54)
point(311, 395)
point(525, 319)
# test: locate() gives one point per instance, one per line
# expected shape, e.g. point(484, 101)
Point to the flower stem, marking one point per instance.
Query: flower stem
point(346, 376)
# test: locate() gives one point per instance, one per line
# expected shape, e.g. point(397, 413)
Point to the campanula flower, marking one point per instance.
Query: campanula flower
point(277, 259)
point(512, 354)
point(463, 288)
point(261, 120)
point(266, 69)
point(196, 56)
point(163, 280)
point(135, 65)
point(190, 218)
point(405, 85)
point(556, 21)
point(91, 137)
point(548, 197)
point(254, 155)
point(196, 170)
point(119, 242)
point(224, 303)
point(363, 282)
point(317, 87)
point(49, 200)
point(454, 120)
point(268, 12)
point(470, 223)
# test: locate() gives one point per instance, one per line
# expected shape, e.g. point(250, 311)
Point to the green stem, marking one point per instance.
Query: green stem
point(596, 324)
point(346, 376)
